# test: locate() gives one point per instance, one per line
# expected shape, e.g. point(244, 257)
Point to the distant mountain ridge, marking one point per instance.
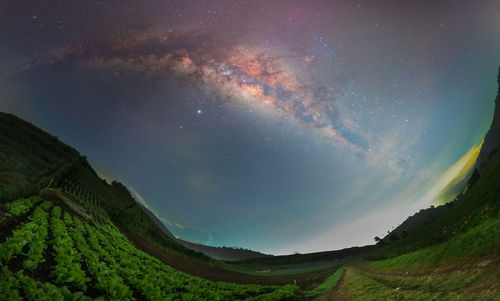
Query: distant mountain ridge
point(155, 219)
point(219, 253)
point(31, 160)
point(223, 253)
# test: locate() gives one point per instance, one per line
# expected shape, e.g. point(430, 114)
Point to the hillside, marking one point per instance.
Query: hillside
point(66, 234)
point(157, 221)
point(56, 254)
point(434, 225)
point(415, 223)
point(492, 138)
point(51, 183)
point(66, 240)
point(218, 253)
point(28, 156)
point(451, 252)
point(222, 253)
point(456, 257)
point(31, 159)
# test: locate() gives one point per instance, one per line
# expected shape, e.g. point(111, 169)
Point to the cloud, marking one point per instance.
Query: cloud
point(363, 223)
point(172, 224)
point(201, 182)
point(143, 202)
point(452, 179)
point(177, 229)
point(140, 199)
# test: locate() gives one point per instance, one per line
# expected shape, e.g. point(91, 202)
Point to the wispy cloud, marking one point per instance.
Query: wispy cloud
point(361, 226)
point(175, 227)
point(455, 174)
point(140, 199)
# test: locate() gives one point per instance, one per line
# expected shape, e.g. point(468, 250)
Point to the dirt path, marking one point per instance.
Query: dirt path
point(468, 278)
point(338, 292)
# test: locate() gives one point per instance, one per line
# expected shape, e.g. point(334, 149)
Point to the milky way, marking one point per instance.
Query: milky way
point(252, 75)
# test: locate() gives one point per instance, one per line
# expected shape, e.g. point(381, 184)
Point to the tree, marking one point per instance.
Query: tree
point(377, 239)
point(393, 237)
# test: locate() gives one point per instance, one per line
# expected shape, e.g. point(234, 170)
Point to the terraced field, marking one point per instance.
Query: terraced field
point(72, 236)
point(455, 258)
point(54, 254)
point(467, 281)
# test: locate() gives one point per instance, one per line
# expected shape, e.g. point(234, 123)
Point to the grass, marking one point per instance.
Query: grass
point(471, 283)
point(31, 159)
point(361, 286)
point(455, 258)
point(478, 241)
point(326, 286)
point(95, 260)
point(444, 261)
point(477, 209)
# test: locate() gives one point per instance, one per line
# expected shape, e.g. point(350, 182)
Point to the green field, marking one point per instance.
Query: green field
point(66, 234)
point(282, 269)
point(325, 286)
point(93, 259)
point(455, 258)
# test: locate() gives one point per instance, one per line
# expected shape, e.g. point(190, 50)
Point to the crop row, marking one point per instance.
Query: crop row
point(68, 268)
point(88, 190)
point(161, 282)
point(98, 255)
point(106, 277)
point(33, 231)
point(34, 290)
point(20, 206)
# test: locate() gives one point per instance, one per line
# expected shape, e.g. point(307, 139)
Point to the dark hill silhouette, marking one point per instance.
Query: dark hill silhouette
point(34, 164)
point(218, 253)
point(31, 160)
point(155, 219)
point(28, 156)
point(492, 138)
point(223, 253)
point(425, 217)
point(435, 225)
point(415, 223)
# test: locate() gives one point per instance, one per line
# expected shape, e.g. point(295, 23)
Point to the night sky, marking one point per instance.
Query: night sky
point(279, 126)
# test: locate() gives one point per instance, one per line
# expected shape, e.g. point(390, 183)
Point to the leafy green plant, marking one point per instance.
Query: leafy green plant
point(116, 266)
point(35, 254)
point(24, 235)
point(20, 206)
point(68, 268)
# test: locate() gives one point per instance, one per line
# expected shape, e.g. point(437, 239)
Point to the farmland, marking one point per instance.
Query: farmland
point(69, 235)
point(91, 259)
point(455, 258)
